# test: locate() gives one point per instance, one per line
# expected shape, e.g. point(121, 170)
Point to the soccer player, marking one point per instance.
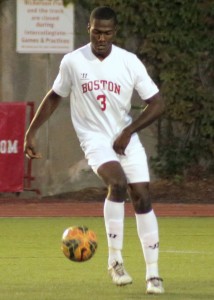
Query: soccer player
point(100, 78)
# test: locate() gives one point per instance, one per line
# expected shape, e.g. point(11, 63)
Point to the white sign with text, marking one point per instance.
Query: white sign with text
point(44, 26)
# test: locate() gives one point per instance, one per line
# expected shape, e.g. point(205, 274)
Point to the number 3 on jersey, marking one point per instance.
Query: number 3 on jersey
point(102, 99)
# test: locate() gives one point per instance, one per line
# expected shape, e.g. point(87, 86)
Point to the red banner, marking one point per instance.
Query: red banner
point(12, 130)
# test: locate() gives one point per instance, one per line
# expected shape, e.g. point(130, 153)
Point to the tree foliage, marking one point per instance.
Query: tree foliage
point(175, 41)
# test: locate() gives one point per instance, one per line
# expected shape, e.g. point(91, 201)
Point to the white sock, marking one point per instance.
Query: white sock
point(114, 223)
point(147, 228)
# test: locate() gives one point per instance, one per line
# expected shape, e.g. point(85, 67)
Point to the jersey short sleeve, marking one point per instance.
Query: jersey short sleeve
point(144, 85)
point(62, 84)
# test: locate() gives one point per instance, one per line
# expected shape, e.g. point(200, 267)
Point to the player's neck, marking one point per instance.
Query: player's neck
point(102, 56)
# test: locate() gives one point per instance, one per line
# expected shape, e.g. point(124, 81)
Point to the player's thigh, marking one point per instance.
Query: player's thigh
point(134, 163)
point(112, 173)
point(139, 190)
point(114, 177)
point(105, 163)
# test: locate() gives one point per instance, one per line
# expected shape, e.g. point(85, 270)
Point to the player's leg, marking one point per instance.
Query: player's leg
point(136, 169)
point(105, 163)
point(147, 228)
point(115, 179)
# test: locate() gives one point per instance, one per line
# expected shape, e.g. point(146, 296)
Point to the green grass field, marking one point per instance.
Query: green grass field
point(34, 268)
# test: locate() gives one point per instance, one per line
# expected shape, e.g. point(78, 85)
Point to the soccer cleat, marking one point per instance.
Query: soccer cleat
point(118, 274)
point(154, 286)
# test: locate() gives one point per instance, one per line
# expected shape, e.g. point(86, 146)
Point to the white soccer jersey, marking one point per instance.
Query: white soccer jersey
point(101, 91)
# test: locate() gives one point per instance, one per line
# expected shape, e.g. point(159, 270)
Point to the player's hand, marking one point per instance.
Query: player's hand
point(121, 142)
point(29, 148)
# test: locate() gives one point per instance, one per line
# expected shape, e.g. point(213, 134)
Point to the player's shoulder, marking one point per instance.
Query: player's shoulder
point(129, 59)
point(124, 53)
point(75, 54)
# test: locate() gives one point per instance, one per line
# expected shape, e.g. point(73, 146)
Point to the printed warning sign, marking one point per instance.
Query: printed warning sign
point(44, 26)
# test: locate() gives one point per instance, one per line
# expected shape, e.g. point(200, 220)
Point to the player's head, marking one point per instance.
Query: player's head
point(103, 13)
point(102, 28)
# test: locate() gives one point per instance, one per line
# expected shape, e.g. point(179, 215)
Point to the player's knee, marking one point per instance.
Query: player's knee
point(141, 200)
point(142, 205)
point(117, 190)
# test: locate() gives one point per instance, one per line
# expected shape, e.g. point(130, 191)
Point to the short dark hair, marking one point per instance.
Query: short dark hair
point(103, 13)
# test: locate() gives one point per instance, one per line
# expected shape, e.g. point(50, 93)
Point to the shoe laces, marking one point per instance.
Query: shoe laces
point(155, 280)
point(119, 269)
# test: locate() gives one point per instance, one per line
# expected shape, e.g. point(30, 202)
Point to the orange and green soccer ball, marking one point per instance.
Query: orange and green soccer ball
point(79, 243)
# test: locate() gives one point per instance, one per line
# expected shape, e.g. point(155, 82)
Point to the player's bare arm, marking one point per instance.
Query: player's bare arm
point(153, 110)
point(45, 110)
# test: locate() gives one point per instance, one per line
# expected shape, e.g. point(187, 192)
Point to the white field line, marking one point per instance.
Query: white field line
point(187, 252)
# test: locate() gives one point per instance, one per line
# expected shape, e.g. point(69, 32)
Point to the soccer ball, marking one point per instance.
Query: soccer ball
point(79, 243)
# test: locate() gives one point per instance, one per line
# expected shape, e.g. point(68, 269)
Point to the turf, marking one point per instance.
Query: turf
point(34, 268)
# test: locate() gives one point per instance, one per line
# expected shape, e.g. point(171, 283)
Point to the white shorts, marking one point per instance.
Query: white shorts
point(134, 163)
